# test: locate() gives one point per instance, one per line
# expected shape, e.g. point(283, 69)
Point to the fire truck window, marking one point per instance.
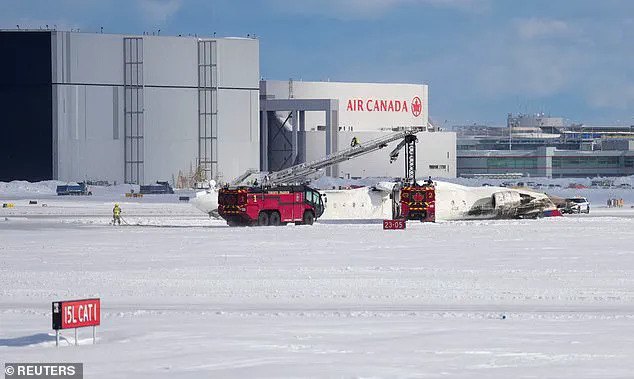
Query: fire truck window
point(310, 197)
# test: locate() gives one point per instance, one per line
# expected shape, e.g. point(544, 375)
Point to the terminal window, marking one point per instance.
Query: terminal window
point(511, 163)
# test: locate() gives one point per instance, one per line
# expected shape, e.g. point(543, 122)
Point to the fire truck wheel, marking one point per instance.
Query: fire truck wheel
point(274, 219)
point(263, 219)
point(308, 218)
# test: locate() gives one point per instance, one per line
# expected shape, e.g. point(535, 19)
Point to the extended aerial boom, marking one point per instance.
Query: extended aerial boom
point(303, 170)
point(410, 157)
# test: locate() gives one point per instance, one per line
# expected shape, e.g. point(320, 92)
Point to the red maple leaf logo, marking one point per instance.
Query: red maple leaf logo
point(417, 106)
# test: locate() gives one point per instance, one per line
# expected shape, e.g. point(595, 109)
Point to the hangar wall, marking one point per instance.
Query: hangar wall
point(367, 111)
point(142, 120)
point(125, 108)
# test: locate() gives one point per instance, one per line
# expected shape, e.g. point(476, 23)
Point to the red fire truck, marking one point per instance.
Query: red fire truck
point(277, 205)
point(410, 200)
point(414, 202)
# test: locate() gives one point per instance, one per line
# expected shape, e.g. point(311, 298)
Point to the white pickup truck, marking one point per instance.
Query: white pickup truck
point(576, 205)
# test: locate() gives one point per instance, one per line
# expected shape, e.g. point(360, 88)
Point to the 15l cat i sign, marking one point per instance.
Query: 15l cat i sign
point(76, 313)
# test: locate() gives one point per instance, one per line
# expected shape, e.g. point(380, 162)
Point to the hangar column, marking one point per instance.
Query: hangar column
point(264, 140)
point(332, 132)
point(294, 123)
point(302, 133)
point(133, 110)
point(335, 137)
point(208, 109)
point(328, 138)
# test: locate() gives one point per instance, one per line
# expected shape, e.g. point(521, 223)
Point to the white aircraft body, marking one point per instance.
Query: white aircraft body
point(207, 200)
point(453, 202)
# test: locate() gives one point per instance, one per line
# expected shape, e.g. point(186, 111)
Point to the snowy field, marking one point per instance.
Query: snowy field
point(185, 296)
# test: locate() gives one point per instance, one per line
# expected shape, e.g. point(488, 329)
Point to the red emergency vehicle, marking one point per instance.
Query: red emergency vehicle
point(276, 205)
point(414, 202)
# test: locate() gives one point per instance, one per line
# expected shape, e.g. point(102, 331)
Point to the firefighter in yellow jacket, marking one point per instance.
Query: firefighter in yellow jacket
point(116, 214)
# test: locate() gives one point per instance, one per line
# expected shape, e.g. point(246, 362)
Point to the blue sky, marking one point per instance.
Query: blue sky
point(481, 58)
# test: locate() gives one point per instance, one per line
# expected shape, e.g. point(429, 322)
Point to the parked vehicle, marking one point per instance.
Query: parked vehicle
point(602, 183)
point(73, 189)
point(156, 189)
point(576, 205)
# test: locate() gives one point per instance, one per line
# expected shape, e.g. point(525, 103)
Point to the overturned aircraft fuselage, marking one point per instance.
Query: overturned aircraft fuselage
point(453, 202)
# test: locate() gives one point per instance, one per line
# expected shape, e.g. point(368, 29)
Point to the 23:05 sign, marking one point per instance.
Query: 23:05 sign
point(393, 224)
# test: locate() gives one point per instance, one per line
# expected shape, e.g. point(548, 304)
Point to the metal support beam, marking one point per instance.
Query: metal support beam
point(334, 120)
point(294, 123)
point(328, 138)
point(264, 140)
point(302, 132)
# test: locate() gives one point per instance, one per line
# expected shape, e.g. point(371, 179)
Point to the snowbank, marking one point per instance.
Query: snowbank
point(20, 187)
point(17, 190)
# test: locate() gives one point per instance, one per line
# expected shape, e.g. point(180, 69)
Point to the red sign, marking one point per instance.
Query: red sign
point(417, 106)
point(393, 224)
point(76, 313)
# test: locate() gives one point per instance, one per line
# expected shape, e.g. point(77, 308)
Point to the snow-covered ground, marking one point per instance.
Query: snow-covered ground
point(186, 296)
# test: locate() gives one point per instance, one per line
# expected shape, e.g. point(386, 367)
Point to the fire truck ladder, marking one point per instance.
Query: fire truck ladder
point(410, 156)
point(304, 170)
point(245, 175)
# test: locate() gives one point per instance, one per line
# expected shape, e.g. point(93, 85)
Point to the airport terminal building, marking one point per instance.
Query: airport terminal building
point(140, 108)
point(542, 146)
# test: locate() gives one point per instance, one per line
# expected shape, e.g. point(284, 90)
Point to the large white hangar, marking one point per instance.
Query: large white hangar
point(127, 108)
point(302, 121)
point(140, 108)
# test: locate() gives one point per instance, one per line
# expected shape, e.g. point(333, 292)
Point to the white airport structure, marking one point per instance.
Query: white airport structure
point(141, 108)
point(134, 109)
point(303, 121)
point(156, 106)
